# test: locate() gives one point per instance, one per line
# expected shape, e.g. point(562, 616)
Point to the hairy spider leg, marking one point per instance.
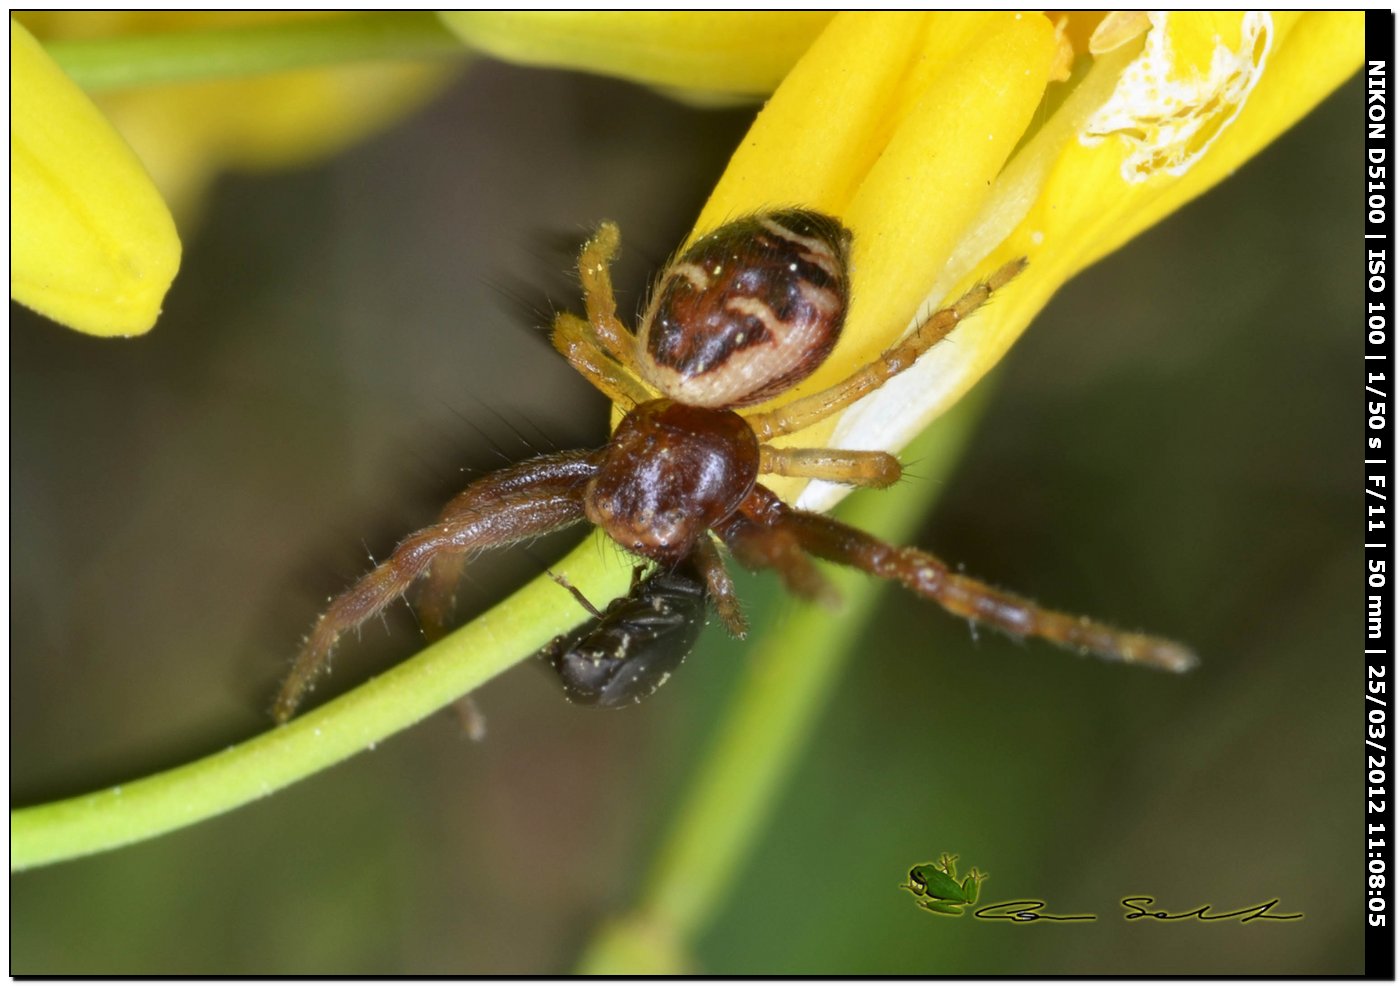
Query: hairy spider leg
point(926, 575)
point(853, 467)
point(806, 411)
point(719, 586)
point(435, 597)
point(513, 516)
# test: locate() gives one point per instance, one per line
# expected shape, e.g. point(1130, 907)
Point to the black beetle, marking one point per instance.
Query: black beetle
point(631, 648)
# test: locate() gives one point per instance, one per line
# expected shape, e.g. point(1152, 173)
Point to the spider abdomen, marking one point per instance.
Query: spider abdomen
point(671, 472)
point(748, 310)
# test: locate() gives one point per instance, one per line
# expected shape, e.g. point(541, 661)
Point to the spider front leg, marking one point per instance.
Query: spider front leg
point(523, 510)
point(601, 348)
point(807, 411)
point(595, 274)
point(931, 578)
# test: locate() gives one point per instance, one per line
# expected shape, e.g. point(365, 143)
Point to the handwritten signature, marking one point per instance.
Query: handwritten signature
point(1135, 908)
point(939, 890)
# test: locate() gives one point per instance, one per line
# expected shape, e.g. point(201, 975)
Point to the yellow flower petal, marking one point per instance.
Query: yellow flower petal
point(719, 52)
point(837, 96)
point(1102, 190)
point(1117, 29)
point(898, 124)
point(1187, 87)
point(937, 170)
point(92, 243)
point(1313, 53)
point(1076, 201)
point(902, 125)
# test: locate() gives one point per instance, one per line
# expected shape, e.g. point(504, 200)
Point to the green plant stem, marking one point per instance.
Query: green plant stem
point(792, 672)
point(222, 53)
point(356, 721)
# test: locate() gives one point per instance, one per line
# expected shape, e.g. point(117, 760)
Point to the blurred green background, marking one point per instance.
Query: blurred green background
point(1174, 445)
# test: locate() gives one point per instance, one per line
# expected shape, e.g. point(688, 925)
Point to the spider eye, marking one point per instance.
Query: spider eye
point(749, 310)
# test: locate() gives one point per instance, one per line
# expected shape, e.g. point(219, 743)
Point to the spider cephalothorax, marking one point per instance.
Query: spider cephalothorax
point(745, 313)
point(670, 473)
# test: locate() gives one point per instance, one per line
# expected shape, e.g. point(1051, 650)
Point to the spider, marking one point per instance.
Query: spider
point(743, 315)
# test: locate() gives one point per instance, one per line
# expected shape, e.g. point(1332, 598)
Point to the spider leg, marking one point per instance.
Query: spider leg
point(594, 273)
point(926, 575)
point(638, 573)
point(435, 597)
point(513, 516)
point(809, 410)
point(575, 339)
point(854, 467)
point(573, 590)
point(601, 348)
point(758, 538)
point(720, 587)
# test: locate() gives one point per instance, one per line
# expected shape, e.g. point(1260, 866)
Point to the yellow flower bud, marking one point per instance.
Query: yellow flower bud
point(92, 243)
